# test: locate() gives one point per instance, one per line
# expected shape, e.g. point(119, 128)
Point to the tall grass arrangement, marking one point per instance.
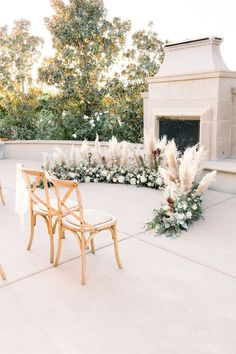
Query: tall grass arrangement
point(120, 163)
point(184, 186)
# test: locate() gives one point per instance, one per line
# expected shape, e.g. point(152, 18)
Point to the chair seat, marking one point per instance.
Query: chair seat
point(40, 208)
point(97, 218)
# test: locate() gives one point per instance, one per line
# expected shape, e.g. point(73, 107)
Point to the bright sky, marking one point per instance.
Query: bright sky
point(174, 20)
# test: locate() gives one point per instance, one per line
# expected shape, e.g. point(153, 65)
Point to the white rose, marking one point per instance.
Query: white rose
point(166, 207)
point(87, 179)
point(72, 174)
point(194, 206)
point(179, 216)
point(114, 180)
point(143, 179)
point(185, 205)
point(104, 173)
point(133, 181)
point(188, 215)
point(159, 180)
point(121, 179)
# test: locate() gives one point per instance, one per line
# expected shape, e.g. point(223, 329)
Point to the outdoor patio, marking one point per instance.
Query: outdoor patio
point(173, 296)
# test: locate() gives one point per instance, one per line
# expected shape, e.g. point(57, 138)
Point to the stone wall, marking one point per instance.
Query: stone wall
point(32, 149)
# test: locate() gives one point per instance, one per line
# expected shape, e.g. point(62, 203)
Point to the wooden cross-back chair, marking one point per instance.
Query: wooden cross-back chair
point(1, 194)
point(40, 206)
point(81, 222)
point(2, 273)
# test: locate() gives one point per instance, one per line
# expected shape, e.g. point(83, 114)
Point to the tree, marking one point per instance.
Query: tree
point(96, 76)
point(19, 51)
point(86, 46)
point(140, 61)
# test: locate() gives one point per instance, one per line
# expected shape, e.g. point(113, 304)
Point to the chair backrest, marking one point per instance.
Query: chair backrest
point(32, 179)
point(64, 189)
point(1, 195)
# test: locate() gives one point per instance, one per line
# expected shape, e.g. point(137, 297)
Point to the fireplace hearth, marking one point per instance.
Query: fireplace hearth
point(185, 132)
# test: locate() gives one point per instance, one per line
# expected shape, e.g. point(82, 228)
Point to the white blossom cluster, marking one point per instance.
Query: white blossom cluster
point(113, 174)
point(177, 215)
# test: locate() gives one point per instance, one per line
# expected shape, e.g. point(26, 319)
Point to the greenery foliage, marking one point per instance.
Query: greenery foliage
point(91, 85)
point(177, 215)
point(141, 177)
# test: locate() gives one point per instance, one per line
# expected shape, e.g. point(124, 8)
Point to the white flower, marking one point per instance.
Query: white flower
point(188, 215)
point(104, 173)
point(166, 207)
point(87, 179)
point(194, 206)
point(72, 174)
point(159, 180)
point(184, 205)
point(114, 180)
point(143, 179)
point(180, 216)
point(121, 179)
point(133, 181)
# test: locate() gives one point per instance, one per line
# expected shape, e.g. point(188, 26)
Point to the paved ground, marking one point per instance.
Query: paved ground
point(174, 296)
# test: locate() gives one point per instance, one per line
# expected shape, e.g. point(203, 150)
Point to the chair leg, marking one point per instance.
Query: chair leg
point(50, 232)
point(60, 237)
point(32, 225)
point(83, 250)
point(1, 195)
point(114, 236)
point(92, 245)
point(2, 273)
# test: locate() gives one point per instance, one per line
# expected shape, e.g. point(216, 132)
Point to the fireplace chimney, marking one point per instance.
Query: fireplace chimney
point(193, 56)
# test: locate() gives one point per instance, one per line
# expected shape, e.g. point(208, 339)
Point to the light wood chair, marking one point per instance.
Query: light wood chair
point(40, 206)
point(1, 194)
point(80, 221)
point(2, 273)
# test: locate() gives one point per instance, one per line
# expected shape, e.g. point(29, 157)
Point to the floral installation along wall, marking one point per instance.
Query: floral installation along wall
point(162, 166)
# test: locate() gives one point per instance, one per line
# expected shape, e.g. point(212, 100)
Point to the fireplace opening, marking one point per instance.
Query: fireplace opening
point(185, 132)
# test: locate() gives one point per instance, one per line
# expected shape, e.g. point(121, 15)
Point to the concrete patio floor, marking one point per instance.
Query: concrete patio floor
point(173, 296)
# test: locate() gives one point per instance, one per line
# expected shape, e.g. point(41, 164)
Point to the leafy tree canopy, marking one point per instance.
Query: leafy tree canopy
point(19, 50)
point(97, 73)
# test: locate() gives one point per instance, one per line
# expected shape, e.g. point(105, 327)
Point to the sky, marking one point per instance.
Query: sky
point(174, 20)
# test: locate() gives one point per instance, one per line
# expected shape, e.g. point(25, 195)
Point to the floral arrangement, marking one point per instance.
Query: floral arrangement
point(184, 187)
point(82, 173)
point(161, 166)
point(119, 163)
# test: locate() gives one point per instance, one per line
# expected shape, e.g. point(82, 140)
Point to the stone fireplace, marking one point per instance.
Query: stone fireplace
point(193, 98)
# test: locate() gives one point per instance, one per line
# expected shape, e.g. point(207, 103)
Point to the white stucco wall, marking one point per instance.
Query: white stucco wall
point(32, 149)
